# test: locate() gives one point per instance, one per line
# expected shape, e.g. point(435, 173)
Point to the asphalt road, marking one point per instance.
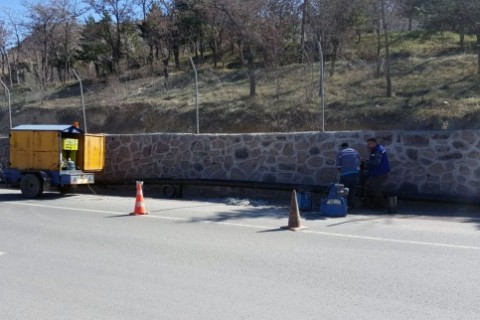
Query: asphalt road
point(84, 257)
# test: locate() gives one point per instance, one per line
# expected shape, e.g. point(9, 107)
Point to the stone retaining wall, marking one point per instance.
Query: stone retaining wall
point(423, 162)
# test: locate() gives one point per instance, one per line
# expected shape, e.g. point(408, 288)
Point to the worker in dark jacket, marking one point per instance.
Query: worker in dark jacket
point(378, 168)
point(348, 164)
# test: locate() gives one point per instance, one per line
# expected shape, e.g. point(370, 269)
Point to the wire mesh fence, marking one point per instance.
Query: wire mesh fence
point(286, 99)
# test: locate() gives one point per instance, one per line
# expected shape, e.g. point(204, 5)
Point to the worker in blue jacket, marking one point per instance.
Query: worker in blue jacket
point(348, 164)
point(378, 168)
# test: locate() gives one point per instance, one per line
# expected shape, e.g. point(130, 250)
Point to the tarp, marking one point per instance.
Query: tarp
point(48, 127)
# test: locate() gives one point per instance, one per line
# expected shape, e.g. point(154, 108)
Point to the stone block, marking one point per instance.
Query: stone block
point(242, 153)
point(416, 140)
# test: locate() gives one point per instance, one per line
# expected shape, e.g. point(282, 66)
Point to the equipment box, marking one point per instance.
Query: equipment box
point(45, 147)
point(335, 203)
point(304, 200)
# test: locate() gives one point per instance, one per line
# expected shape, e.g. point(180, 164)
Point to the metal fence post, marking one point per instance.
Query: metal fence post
point(9, 105)
point(196, 94)
point(83, 102)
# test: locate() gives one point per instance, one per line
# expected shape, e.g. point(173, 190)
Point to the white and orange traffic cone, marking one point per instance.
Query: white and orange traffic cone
point(294, 222)
point(139, 208)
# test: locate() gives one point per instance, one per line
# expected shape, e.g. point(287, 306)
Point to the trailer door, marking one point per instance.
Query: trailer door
point(92, 152)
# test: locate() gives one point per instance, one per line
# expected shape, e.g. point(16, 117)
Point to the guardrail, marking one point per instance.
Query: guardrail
point(174, 187)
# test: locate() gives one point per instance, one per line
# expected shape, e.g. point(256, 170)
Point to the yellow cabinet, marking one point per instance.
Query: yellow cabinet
point(45, 147)
point(91, 155)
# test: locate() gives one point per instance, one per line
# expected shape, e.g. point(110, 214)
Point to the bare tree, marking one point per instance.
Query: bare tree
point(68, 39)
point(281, 28)
point(93, 47)
point(473, 10)
point(14, 25)
point(248, 26)
point(409, 10)
point(216, 33)
point(4, 38)
point(332, 23)
point(43, 24)
point(155, 30)
point(121, 12)
point(145, 7)
point(304, 11)
point(447, 15)
point(380, 12)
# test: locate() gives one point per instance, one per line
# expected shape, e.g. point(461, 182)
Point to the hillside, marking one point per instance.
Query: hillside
point(435, 87)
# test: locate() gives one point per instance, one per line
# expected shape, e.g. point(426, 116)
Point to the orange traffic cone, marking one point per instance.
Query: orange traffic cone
point(294, 222)
point(139, 203)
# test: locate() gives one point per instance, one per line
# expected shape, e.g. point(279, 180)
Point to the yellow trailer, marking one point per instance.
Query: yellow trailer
point(46, 156)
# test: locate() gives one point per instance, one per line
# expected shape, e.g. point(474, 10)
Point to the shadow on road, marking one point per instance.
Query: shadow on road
point(273, 230)
point(46, 196)
point(120, 216)
point(248, 209)
point(407, 210)
point(242, 213)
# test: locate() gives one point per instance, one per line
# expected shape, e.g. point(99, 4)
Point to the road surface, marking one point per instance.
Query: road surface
point(84, 257)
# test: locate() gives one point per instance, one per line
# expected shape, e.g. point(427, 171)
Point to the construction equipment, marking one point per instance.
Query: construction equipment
point(294, 220)
point(46, 157)
point(139, 208)
point(335, 203)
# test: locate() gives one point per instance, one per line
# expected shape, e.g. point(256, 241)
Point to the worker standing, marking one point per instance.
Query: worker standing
point(348, 164)
point(378, 168)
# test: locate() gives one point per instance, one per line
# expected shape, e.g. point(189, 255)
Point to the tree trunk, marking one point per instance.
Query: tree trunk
point(478, 53)
point(213, 46)
point(66, 71)
point(379, 49)
point(462, 41)
point(253, 82)
point(97, 69)
point(45, 62)
point(176, 55)
point(15, 57)
point(196, 47)
point(202, 48)
point(251, 73)
point(117, 50)
point(3, 54)
point(387, 52)
point(302, 29)
point(165, 68)
point(359, 35)
point(335, 44)
point(9, 68)
point(150, 54)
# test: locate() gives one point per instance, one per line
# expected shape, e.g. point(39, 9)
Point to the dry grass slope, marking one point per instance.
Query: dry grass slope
point(435, 87)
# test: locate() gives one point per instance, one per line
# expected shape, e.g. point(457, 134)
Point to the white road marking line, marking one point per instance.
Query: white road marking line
point(2, 253)
point(63, 208)
point(423, 243)
point(331, 234)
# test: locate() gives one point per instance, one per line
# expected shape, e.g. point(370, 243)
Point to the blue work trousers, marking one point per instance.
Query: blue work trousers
point(351, 181)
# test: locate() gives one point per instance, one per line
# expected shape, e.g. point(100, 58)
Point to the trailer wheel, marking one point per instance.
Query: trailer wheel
point(169, 191)
point(31, 186)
